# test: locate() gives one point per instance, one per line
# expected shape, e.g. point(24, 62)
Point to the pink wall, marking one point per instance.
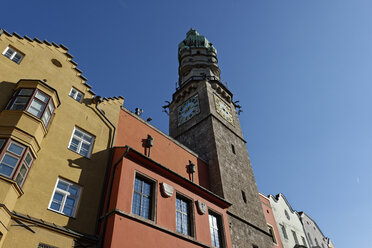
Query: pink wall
point(269, 216)
point(132, 132)
point(129, 231)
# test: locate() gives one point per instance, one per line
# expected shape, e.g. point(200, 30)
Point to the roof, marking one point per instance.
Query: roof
point(280, 195)
point(195, 40)
point(303, 213)
point(61, 48)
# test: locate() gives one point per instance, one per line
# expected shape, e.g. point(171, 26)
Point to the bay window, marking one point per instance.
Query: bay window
point(15, 160)
point(35, 102)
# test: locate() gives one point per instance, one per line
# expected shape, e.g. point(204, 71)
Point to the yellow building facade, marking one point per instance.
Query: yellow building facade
point(55, 135)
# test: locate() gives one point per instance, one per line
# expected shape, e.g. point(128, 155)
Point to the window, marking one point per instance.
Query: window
point(15, 160)
point(41, 245)
point(244, 197)
point(215, 227)
point(65, 197)
point(295, 237)
point(81, 142)
point(77, 95)
point(35, 102)
point(287, 214)
point(233, 148)
point(316, 242)
point(13, 54)
point(2, 141)
point(183, 215)
point(283, 231)
point(311, 242)
point(143, 198)
point(271, 231)
point(304, 241)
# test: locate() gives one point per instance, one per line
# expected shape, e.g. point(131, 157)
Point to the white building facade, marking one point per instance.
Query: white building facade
point(288, 221)
point(314, 235)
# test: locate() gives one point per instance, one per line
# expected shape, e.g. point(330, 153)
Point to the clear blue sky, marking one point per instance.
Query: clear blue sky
point(302, 71)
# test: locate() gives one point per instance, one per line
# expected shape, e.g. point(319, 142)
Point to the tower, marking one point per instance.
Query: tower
point(203, 118)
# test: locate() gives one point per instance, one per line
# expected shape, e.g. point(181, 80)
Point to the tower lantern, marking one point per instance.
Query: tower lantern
point(197, 57)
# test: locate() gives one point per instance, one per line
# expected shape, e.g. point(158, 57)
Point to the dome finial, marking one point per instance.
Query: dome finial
point(192, 32)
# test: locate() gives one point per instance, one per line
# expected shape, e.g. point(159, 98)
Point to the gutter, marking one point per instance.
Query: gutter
point(98, 100)
point(105, 215)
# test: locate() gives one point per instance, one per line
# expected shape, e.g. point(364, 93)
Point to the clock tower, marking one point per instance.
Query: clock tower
point(203, 118)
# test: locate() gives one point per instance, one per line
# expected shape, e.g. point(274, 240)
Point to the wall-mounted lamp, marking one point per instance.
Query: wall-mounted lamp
point(149, 143)
point(191, 170)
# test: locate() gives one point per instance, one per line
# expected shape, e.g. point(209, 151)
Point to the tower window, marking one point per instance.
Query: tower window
point(13, 54)
point(233, 148)
point(244, 197)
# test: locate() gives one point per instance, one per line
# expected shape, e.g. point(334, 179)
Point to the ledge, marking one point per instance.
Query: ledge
point(13, 183)
point(156, 226)
point(24, 127)
point(195, 188)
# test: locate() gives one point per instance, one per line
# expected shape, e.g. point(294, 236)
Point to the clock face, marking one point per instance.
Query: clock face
point(223, 109)
point(188, 109)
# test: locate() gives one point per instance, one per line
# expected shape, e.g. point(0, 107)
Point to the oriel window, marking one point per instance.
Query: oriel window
point(35, 102)
point(15, 160)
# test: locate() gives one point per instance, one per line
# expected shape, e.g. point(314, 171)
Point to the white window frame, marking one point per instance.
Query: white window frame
point(81, 141)
point(188, 215)
point(14, 53)
point(216, 229)
point(75, 95)
point(65, 195)
point(272, 231)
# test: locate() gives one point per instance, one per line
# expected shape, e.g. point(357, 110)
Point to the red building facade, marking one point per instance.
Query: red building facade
point(270, 219)
point(158, 193)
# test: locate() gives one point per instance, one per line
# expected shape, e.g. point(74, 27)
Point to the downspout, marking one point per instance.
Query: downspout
point(109, 196)
point(98, 100)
